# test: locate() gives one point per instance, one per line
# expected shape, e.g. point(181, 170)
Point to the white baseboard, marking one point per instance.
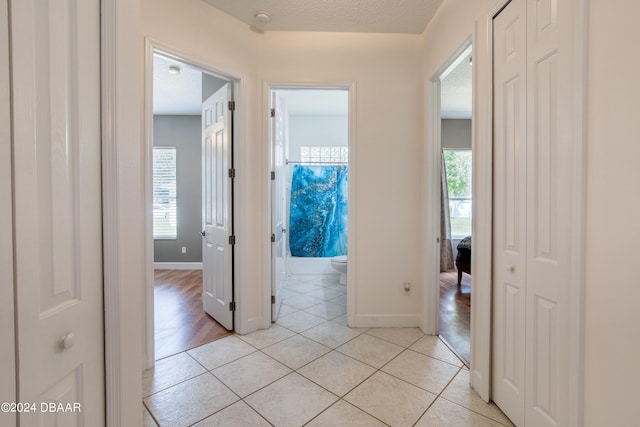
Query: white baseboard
point(177, 266)
point(387, 321)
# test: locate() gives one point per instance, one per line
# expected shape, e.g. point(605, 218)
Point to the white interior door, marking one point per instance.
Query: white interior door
point(58, 224)
point(279, 129)
point(217, 249)
point(534, 159)
point(551, 161)
point(509, 199)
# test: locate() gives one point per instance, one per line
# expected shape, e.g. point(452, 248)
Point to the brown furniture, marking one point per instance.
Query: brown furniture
point(463, 259)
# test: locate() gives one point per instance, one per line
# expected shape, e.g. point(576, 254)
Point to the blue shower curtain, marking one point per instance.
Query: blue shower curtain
point(318, 211)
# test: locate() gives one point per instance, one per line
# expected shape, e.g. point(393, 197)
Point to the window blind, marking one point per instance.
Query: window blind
point(165, 224)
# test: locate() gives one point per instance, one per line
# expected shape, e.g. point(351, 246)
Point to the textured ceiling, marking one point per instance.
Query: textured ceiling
point(366, 16)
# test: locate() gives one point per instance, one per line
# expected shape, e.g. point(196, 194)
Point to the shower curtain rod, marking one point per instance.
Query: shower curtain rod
point(315, 163)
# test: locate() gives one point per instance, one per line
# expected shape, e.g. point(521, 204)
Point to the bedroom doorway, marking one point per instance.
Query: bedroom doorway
point(456, 204)
point(186, 166)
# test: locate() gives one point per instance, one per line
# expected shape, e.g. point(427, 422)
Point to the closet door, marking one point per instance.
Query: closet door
point(535, 156)
point(57, 193)
point(551, 159)
point(509, 207)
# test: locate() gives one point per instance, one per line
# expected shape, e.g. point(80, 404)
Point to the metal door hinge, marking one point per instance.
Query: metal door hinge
point(232, 105)
point(232, 306)
point(273, 176)
point(273, 112)
point(273, 299)
point(232, 173)
point(232, 240)
point(273, 237)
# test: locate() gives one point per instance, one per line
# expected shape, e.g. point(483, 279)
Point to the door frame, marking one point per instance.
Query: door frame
point(151, 47)
point(7, 325)
point(433, 164)
point(267, 87)
point(482, 135)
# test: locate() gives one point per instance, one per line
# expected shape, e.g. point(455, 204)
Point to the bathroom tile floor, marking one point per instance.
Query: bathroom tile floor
point(311, 369)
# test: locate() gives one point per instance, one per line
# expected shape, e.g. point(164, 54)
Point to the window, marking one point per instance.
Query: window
point(324, 154)
point(458, 165)
point(164, 193)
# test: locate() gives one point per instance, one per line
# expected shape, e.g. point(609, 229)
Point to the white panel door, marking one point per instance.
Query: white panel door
point(533, 177)
point(217, 250)
point(509, 207)
point(279, 133)
point(551, 160)
point(58, 225)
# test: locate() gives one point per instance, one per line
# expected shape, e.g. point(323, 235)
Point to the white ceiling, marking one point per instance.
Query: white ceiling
point(182, 93)
point(326, 102)
point(366, 16)
point(456, 89)
point(176, 94)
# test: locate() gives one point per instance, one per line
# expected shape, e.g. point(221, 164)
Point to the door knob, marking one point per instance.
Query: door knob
point(510, 268)
point(67, 341)
point(204, 233)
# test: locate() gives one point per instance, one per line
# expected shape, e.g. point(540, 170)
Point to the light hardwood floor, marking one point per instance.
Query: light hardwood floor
point(455, 313)
point(180, 321)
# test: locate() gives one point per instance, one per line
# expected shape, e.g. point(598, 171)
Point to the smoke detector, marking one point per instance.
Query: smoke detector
point(262, 18)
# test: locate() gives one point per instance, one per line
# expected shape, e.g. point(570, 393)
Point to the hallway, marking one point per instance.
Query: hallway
point(311, 369)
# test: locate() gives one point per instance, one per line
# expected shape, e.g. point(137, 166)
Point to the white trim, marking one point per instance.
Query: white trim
point(110, 218)
point(267, 87)
point(7, 320)
point(387, 320)
point(433, 163)
point(432, 206)
point(149, 335)
point(482, 227)
point(577, 284)
point(177, 266)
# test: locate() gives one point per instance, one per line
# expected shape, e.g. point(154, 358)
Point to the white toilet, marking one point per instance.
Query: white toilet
point(340, 264)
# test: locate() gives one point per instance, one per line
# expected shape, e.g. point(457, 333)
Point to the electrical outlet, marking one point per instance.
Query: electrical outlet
point(407, 286)
point(184, 249)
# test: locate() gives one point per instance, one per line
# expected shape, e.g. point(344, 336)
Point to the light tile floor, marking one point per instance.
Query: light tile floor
point(311, 369)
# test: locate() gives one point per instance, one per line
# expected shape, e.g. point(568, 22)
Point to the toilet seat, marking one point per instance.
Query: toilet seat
point(341, 259)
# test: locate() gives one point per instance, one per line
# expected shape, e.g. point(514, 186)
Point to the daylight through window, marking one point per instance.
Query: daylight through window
point(458, 164)
point(164, 193)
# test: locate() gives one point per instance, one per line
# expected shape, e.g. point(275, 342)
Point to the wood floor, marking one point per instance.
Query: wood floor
point(455, 313)
point(180, 321)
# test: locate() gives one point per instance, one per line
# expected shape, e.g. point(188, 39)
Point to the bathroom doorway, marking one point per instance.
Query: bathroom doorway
point(456, 204)
point(309, 163)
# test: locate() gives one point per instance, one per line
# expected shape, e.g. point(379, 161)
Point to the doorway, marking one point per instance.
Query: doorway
point(190, 199)
point(456, 204)
point(309, 140)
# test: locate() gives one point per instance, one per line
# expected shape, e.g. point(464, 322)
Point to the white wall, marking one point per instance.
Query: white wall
point(389, 204)
point(225, 45)
point(456, 134)
point(386, 208)
point(613, 230)
point(316, 130)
